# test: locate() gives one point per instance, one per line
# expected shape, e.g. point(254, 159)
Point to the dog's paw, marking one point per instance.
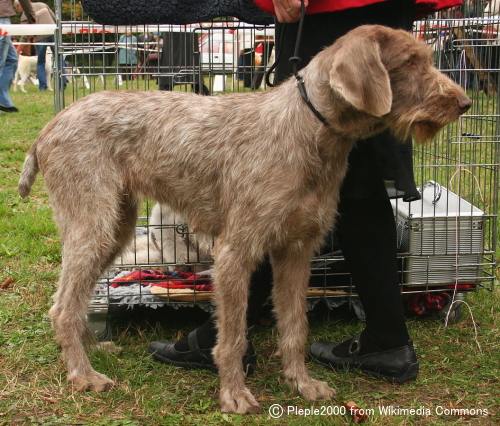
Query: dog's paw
point(313, 390)
point(240, 401)
point(93, 381)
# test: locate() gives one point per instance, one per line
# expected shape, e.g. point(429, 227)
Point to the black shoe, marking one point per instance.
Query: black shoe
point(8, 109)
point(196, 357)
point(397, 365)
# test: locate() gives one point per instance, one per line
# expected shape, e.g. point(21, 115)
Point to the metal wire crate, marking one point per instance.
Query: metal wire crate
point(443, 236)
point(231, 56)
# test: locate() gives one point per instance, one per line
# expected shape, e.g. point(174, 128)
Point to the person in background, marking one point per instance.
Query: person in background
point(43, 15)
point(365, 228)
point(127, 54)
point(177, 58)
point(8, 55)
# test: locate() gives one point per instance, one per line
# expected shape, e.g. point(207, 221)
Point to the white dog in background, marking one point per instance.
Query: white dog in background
point(26, 71)
point(166, 241)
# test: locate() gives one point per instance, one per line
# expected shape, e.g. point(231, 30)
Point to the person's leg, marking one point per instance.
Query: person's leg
point(383, 349)
point(194, 350)
point(123, 72)
point(8, 66)
point(40, 67)
point(64, 80)
point(260, 290)
point(200, 89)
point(367, 235)
point(166, 83)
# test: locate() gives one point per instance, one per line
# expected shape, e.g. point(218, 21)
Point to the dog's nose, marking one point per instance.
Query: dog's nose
point(464, 103)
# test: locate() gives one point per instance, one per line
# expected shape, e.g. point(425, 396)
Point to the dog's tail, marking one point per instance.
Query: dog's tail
point(28, 175)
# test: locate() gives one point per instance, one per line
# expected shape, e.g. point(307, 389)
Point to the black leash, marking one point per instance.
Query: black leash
point(295, 61)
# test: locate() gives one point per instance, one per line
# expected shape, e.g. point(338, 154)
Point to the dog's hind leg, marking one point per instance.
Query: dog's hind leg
point(22, 82)
point(231, 281)
point(291, 271)
point(91, 240)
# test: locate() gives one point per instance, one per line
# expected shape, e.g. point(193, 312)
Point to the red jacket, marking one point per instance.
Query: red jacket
point(321, 6)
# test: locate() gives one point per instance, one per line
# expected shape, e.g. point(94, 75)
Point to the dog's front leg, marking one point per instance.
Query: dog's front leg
point(291, 271)
point(15, 82)
point(22, 84)
point(23, 79)
point(231, 281)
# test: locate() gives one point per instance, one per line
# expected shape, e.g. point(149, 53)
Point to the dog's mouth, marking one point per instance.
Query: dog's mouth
point(425, 130)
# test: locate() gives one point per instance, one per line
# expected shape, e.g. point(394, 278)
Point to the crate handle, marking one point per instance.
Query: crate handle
point(438, 191)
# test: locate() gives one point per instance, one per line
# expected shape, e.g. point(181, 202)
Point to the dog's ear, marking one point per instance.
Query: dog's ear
point(358, 75)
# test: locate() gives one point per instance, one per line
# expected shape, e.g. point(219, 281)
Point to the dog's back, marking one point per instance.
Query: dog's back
point(196, 157)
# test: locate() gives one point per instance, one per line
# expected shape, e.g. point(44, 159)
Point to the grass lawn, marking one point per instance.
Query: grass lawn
point(454, 372)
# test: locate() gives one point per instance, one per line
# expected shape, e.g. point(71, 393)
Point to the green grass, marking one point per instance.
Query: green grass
point(454, 373)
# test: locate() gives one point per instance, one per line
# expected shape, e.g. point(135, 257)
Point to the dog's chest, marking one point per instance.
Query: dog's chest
point(316, 208)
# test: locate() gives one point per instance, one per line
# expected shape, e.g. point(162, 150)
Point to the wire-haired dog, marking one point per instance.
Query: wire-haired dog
point(258, 172)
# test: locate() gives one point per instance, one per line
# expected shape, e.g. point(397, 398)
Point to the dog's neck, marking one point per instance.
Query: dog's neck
point(343, 121)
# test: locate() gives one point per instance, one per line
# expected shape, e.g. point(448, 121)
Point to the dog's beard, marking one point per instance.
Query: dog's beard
point(425, 131)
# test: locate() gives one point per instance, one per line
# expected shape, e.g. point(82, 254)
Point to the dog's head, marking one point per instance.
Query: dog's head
point(387, 74)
